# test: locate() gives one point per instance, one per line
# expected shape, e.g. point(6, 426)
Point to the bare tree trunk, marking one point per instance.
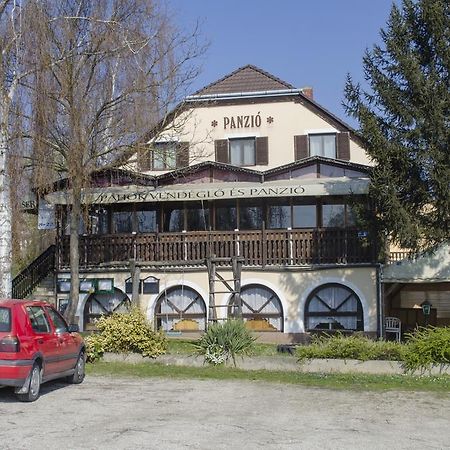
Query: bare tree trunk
point(5, 211)
point(71, 312)
point(135, 279)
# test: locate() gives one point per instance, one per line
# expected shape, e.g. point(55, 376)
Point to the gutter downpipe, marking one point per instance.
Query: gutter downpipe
point(380, 301)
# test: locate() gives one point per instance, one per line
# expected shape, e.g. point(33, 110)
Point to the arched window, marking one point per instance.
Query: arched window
point(333, 307)
point(98, 305)
point(180, 308)
point(261, 308)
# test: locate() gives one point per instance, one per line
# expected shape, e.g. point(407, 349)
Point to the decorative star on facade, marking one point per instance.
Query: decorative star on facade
point(214, 123)
point(270, 119)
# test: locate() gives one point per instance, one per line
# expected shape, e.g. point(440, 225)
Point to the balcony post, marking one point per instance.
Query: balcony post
point(183, 240)
point(237, 248)
point(290, 248)
point(264, 245)
point(134, 244)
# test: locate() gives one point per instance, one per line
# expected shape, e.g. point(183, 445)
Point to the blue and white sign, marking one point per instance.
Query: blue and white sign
point(46, 216)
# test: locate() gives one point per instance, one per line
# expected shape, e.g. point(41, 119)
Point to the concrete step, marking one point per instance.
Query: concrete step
point(43, 291)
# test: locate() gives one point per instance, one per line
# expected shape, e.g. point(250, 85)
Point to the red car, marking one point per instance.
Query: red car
point(37, 345)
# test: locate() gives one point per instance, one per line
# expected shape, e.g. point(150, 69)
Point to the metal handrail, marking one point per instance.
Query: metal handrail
point(24, 283)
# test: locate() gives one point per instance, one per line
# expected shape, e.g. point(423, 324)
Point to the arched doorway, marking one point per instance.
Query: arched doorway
point(261, 308)
point(98, 305)
point(333, 306)
point(180, 308)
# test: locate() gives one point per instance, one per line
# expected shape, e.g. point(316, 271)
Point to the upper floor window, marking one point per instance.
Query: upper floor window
point(249, 151)
point(328, 145)
point(322, 145)
point(164, 156)
point(242, 152)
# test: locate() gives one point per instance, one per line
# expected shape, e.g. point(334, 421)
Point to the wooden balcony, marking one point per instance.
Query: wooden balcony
point(257, 248)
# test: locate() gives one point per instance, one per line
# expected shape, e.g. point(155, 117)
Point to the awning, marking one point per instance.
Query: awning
point(216, 191)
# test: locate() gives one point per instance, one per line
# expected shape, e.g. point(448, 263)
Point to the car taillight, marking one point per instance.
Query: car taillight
point(10, 344)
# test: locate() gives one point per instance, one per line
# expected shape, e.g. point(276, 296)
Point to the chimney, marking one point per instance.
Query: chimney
point(307, 91)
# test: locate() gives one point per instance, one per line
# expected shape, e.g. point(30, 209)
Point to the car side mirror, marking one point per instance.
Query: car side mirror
point(73, 328)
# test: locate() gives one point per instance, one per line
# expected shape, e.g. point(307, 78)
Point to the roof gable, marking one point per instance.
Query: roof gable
point(245, 79)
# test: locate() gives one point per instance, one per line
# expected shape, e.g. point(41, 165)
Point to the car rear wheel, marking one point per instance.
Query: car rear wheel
point(34, 385)
point(80, 370)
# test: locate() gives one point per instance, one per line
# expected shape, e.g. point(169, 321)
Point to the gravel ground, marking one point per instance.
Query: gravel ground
point(130, 413)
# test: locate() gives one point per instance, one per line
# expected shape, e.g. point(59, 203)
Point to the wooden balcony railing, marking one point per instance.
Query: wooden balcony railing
point(257, 248)
point(395, 257)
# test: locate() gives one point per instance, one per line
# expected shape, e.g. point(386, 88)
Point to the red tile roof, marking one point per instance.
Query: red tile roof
point(245, 79)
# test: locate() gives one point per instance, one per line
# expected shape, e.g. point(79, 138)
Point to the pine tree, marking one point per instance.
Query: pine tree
point(403, 118)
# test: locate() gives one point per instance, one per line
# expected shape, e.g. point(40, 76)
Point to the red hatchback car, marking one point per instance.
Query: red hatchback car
point(37, 345)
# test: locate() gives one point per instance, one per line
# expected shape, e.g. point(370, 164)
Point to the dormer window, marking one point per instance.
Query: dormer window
point(322, 145)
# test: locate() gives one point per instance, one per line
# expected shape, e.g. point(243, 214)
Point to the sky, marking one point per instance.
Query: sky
point(306, 43)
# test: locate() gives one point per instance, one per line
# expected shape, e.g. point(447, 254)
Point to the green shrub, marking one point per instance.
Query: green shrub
point(225, 341)
point(427, 348)
point(125, 333)
point(355, 346)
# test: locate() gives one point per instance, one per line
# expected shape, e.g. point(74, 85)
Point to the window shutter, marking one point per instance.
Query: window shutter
point(182, 154)
point(262, 151)
point(143, 157)
point(221, 146)
point(301, 147)
point(343, 146)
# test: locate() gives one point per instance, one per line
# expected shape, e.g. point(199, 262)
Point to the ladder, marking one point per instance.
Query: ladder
point(227, 286)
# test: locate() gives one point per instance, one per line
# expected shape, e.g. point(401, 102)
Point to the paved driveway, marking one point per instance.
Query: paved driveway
point(106, 413)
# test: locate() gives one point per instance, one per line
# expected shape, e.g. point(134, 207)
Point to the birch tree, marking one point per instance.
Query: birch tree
point(12, 72)
point(109, 70)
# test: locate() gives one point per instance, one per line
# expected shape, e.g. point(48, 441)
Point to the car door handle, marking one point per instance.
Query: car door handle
point(60, 340)
point(40, 341)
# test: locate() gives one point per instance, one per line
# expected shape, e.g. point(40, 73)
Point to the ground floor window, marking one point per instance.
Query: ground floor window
point(180, 308)
point(261, 308)
point(333, 306)
point(98, 305)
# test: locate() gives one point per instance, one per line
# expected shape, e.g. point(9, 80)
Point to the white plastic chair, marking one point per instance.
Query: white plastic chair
point(393, 325)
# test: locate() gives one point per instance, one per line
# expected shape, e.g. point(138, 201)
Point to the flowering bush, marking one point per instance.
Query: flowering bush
point(427, 348)
point(125, 333)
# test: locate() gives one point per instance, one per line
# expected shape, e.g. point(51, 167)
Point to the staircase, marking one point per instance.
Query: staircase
point(39, 275)
point(44, 290)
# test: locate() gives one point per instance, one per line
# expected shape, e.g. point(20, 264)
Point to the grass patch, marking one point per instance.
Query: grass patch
point(334, 381)
point(186, 347)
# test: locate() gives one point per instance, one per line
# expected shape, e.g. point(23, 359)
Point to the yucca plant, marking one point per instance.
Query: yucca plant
point(225, 341)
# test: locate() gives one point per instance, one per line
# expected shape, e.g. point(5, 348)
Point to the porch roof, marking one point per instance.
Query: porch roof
point(216, 191)
point(430, 268)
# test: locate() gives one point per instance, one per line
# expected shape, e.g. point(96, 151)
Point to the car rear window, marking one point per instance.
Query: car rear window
point(5, 319)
